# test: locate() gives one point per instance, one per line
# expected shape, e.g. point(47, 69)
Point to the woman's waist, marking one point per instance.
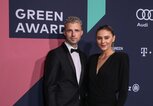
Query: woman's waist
point(102, 100)
point(105, 97)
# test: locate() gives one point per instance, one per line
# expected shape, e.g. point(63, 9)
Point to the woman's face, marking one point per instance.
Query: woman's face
point(105, 39)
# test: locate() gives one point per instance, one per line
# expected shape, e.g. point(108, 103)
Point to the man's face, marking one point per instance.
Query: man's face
point(73, 33)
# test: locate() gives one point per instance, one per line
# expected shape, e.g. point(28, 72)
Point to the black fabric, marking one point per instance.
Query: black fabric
point(108, 87)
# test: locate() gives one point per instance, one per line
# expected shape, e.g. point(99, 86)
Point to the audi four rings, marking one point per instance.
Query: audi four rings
point(144, 14)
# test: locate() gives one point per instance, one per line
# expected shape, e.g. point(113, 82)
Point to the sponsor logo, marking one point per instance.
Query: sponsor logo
point(145, 51)
point(134, 88)
point(144, 15)
point(118, 48)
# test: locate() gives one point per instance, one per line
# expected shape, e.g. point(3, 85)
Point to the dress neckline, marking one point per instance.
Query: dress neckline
point(106, 61)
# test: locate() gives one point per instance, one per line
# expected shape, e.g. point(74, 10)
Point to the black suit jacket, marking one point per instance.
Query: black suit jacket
point(60, 83)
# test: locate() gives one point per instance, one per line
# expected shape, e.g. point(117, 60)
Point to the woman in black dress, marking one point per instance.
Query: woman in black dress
point(108, 72)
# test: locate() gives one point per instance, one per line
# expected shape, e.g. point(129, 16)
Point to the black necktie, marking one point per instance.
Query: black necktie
point(74, 50)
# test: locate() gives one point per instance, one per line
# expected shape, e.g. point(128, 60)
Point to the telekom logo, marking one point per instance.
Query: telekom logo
point(145, 51)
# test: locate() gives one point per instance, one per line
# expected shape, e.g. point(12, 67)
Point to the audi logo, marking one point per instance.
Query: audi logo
point(144, 14)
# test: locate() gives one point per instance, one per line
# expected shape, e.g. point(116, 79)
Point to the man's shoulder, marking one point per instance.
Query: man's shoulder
point(55, 51)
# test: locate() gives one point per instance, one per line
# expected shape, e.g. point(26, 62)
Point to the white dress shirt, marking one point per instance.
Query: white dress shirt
point(76, 60)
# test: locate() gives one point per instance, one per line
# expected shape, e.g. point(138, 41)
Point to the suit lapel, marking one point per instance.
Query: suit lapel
point(69, 57)
point(72, 64)
point(82, 68)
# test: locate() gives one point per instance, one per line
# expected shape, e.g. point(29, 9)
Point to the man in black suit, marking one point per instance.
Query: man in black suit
point(64, 70)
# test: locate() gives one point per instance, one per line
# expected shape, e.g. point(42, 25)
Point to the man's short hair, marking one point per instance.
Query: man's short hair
point(73, 19)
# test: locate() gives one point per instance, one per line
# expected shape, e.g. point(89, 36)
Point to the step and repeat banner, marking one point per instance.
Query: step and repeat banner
point(30, 28)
